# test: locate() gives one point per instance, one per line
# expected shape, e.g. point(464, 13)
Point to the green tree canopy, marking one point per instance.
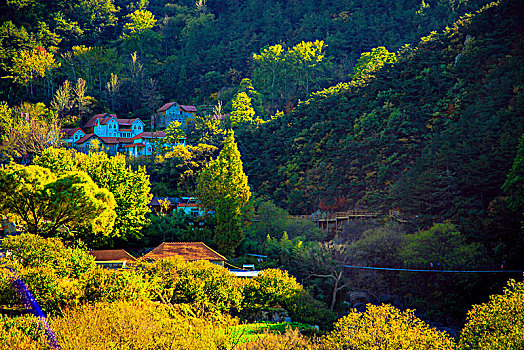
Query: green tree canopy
point(370, 62)
point(45, 202)
point(243, 112)
point(498, 323)
point(514, 185)
point(228, 229)
point(174, 136)
point(385, 327)
point(443, 244)
point(131, 189)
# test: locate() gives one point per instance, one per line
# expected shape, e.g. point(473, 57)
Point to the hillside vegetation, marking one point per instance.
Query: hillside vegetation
point(192, 52)
point(434, 134)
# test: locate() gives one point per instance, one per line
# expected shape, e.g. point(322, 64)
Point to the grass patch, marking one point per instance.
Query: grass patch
point(250, 332)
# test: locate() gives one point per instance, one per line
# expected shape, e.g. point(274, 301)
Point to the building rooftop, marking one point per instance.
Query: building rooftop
point(183, 107)
point(189, 251)
point(150, 135)
point(112, 255)
point(70, 131)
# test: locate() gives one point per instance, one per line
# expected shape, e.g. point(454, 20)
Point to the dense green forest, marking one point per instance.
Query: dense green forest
point(434, 133)
point(193, 52)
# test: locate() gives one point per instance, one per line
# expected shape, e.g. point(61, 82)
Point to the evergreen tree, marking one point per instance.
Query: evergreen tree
point(228, 229)
point(224, 176)
point(242, 113)
point(514, 185)
point(222, 187)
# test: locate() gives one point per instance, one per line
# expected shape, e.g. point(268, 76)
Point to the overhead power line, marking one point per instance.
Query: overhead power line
point(433, 270)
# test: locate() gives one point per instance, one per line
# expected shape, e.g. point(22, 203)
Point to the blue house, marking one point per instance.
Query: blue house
point(171, 112)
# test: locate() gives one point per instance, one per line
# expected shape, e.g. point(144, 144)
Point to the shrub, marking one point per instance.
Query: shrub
point(49, 290)
point(111, 285)
point(302, 307)
point(33, 251)
point(22, 333)
point(8, 295)
point(497, 324)
point(291, 339)
point(135, 325)
point(272, 287)
point(213, 285)
point(385, 327)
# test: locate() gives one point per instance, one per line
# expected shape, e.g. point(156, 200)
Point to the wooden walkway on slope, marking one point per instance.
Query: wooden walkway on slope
point(335, 220)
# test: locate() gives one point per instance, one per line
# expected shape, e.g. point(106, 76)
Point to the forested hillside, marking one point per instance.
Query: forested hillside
point(193, 52)
point(409, 112)
point(434, 133)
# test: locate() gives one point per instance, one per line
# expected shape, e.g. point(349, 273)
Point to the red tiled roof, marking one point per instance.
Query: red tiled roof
point(126, 130)
point(125, 139)
point(189, 108)
point(190, 251)
point(104, 115)
point(112, 255)
point(189, 205)
point(150, 135)
point(84, 138)
point(103, 119)
point(70, 131)
point(128, 122)
point(108, 140)
point(135, 145)
point(166, 106)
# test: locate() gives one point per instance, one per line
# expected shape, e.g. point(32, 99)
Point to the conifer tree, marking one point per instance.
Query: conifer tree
point(222, 187)
point(228, 230)
point(242, 112)
point(224, 176)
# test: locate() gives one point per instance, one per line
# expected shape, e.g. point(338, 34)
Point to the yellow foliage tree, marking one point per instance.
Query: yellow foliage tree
point(497, 324)
point(44, 202)
point(385, 327)
point(272, 287)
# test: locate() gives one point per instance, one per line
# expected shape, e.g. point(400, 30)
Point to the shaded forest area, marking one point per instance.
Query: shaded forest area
point(434, 134)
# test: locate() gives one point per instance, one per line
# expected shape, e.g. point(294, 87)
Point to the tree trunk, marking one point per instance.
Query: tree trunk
point(335, 290)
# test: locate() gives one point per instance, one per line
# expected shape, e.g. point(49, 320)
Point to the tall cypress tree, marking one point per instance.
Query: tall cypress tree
point(222, 187)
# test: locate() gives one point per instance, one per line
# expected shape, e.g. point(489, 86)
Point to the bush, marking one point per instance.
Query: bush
point(8, 295)
point(270, 288)
point(497, 324)
point(291, 339)
point(135, 325)
point(50, 291)
point(33, 251)
point(385, 327)
point(161, 274)
point(302, 307)
point(111, 285)
point(22, 333)
point(210, 284)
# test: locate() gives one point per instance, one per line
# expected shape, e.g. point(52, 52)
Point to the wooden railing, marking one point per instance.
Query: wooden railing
point(341, 215)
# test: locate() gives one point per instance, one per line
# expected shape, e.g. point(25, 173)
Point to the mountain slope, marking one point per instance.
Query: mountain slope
point(433, 134)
